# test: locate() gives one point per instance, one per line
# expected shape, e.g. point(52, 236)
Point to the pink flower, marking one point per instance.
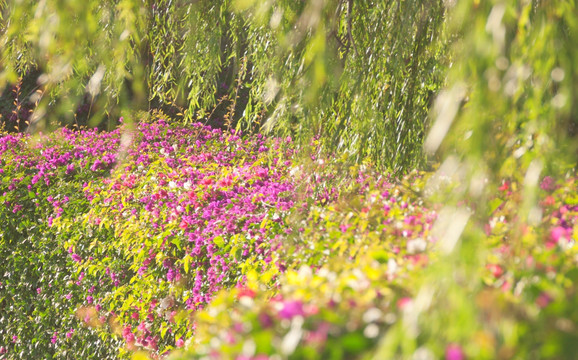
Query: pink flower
point(206, 181)
point(291, 309)
point(261, 172)
point(128, 335)
point(543, 300)
point(495, 269)
point(76, 257)
point(225, 182)
point(403, 302)
point(180, 343)
point(244, 291)
point(183, 225)
point(548, 184)
point(557, 233)
point(142, 327)
point(454, 352)
point(127, 330)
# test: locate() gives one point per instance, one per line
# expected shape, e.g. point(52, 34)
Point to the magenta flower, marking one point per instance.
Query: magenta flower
point(180, 343)
point(265, 320)
point(557, 233)
point(171, 275)
point(291, 309)
point(548, 184)
point(152, 342)
point(543, 300)
point(454, 352)
point(128, 335)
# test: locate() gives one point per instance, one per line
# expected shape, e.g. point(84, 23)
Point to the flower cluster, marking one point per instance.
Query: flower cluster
point(365, 280)
point(190, 211)
point(199, 242)
point(350, 262)
point(41, 180)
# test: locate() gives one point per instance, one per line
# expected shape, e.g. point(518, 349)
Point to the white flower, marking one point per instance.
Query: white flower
point(416, 246)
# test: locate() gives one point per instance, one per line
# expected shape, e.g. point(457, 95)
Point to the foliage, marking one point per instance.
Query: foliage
point(125, 232)
point(129, 235)
point(368, 281)
point(41, 178)
point(505, 120)
point(352, 267)
point(362, 73)
point(510, 107)
point(18, 102)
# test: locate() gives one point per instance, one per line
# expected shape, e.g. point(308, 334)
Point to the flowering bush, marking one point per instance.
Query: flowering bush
point(140, 227)
point(198, 243)
point(191, 212)
point(41, 179)
point(354, 267)
point(371, 281)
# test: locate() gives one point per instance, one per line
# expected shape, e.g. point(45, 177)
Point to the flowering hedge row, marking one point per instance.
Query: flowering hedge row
point(113, 238)
point(198, 243)
point(368, 280)
point(354, 265)
point(371, 281)
point(41, 178)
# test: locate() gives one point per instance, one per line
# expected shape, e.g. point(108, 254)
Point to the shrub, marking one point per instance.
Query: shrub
point(120, 231)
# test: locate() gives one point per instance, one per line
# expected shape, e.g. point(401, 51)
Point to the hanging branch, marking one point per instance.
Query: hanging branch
point(349, 26)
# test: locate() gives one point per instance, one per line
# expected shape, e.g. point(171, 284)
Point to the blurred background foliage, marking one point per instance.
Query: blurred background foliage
point(360, 74)
point(505, 121)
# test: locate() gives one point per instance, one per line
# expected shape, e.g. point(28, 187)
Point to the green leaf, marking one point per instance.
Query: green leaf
point(187, 263)
point(177, 242)
point(355, 342)
point(494, 204)
point(219, 241)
